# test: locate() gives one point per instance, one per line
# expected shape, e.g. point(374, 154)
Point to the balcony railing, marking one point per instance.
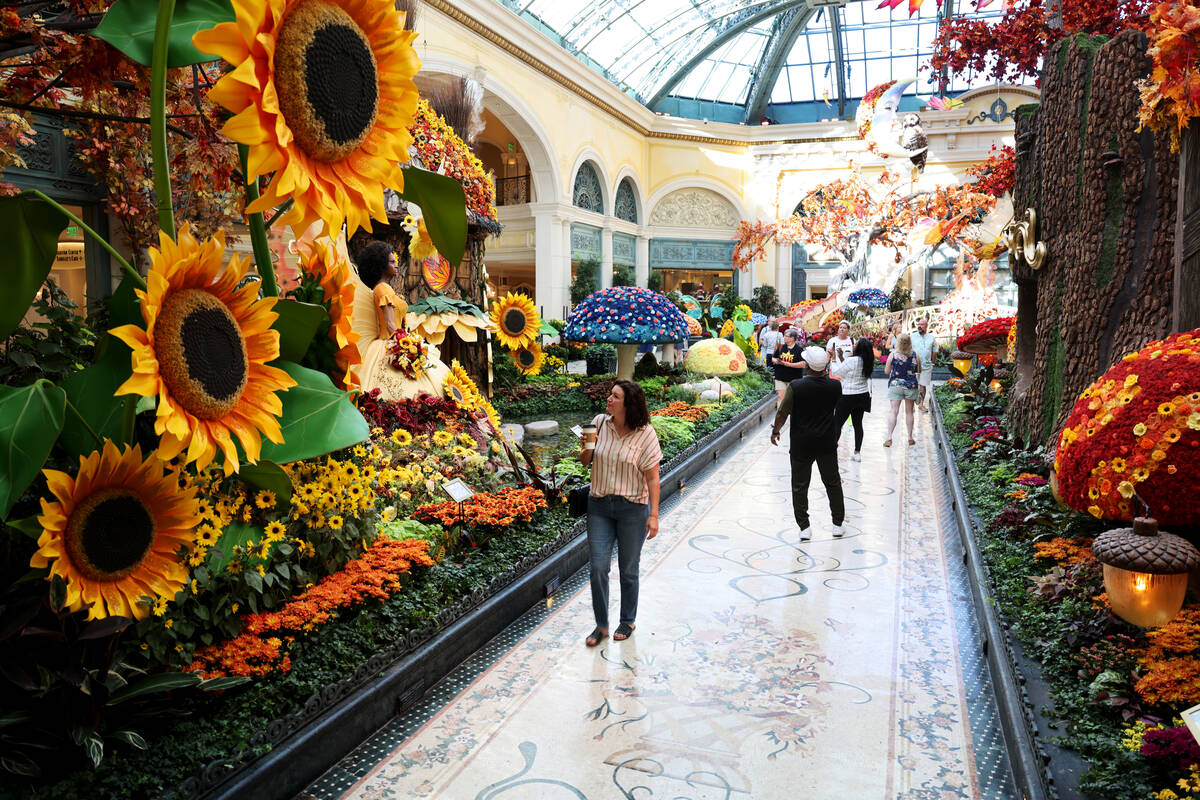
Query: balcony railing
point(513, 191)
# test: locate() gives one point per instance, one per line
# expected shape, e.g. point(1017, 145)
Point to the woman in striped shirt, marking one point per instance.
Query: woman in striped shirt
point(623, 505)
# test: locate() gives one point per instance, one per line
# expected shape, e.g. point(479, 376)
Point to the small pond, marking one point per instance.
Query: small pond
point(543, 449)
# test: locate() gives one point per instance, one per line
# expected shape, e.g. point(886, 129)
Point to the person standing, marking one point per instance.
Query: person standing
point(811, 402)
point(769, 341)
point(788, 362)
point(902, 368)
point(923, 343)
point(623, 504)
point(855, 375)
point(841, 341)
point(893, 335)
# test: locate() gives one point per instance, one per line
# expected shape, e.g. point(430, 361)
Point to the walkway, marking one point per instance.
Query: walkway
point(761, 667)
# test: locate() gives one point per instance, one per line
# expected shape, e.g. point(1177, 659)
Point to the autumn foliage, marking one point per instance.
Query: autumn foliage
point(1171, 97)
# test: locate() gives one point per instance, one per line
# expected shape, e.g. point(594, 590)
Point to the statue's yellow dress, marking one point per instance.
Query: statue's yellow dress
point(375, 372)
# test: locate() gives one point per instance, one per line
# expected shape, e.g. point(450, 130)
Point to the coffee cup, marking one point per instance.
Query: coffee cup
point(589, 436)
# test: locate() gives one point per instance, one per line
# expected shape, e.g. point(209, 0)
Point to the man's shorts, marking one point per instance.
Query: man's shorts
point(926, 377)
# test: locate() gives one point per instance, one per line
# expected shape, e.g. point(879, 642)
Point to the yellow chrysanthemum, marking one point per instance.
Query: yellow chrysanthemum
point(322, 93)
point(529, 359)
point(323, 259)
point(516, 320)
point(204, 353)
point(114, 531)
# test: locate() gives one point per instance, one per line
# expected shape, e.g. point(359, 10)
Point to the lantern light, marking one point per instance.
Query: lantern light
point(962, 362)
point(995, 386)
point(1145, 571)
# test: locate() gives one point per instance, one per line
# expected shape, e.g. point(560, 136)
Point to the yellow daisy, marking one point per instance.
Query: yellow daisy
point(322, 93)
point(204, 353)
point(113, 532)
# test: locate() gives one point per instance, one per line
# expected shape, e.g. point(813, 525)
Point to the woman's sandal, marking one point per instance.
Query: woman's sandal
point(912, 441)
point(595, 637)
point(888, 443)
point(623, 632)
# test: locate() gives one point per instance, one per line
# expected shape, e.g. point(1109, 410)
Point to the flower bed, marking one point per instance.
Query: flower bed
point(1116, 689)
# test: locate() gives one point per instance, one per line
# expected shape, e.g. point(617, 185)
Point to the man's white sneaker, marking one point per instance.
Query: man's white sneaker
point(837, 531)
point(806, 534)
point(855, 457)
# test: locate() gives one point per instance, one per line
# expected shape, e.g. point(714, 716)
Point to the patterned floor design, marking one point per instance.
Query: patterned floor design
point(762, 667)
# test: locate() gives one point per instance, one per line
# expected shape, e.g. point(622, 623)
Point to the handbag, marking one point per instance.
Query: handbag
point(577, 500)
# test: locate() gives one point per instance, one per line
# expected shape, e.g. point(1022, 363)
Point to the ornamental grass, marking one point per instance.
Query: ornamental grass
point(261, 649)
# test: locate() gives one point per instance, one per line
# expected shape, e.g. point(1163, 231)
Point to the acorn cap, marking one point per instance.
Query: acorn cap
point(1143, 548)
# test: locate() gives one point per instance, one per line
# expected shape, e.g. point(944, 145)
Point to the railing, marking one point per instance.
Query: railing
point(513, 191)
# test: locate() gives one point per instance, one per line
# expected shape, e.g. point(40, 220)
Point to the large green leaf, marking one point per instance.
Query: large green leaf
point(124, 307)
point(29, 228)
point(441, 304)
point(162, 682)
point(444, 206)
point(270, 476)
point(91, 393)
point(31, 418)
point(318, 418)
point(297, 324)
point(129, 27)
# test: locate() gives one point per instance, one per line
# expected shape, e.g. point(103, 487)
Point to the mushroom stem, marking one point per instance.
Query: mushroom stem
point(626, 354)
point(669, 354)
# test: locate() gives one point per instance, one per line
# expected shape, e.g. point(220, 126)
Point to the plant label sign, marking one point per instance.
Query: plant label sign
point(458, 490)
point(578, 431)
point(1191, 718)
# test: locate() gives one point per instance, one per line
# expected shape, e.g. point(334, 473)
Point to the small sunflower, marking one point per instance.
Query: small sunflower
point(265, 499)
point(442, 438)
point(275, 531)
point(204, 353)
point(459, 387)
point(114, 532)
point(401, 437)
point(529, 359)
point(335, 523)
point(323, 94)
point(516, 320)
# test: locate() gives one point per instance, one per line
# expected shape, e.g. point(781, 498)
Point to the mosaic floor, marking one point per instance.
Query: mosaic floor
point(762, 667)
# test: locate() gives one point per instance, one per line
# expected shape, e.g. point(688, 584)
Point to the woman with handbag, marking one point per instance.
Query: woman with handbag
point(855, 374)
point(623, 505)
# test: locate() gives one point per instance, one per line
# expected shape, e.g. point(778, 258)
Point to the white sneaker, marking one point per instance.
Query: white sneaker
point(837, 531)
point(855, 457)
point(806, 533)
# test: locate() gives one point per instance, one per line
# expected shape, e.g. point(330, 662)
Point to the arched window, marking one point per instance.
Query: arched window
point(625, 206)
point(587, 194)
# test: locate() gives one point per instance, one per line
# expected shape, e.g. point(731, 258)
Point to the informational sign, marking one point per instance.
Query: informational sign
point(1191, 718)
point(458, 490)
point(69, 256)
point(578, 431)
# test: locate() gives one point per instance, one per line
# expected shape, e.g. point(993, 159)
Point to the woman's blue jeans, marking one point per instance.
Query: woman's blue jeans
point(614, 520)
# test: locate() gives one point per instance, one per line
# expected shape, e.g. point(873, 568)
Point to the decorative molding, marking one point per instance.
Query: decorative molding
point(624, 249)
point(587, 193)
point(585, 242)
point(695, 208)
point(691, 254)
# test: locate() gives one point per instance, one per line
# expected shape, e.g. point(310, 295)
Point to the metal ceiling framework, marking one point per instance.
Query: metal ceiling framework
point(747, 59)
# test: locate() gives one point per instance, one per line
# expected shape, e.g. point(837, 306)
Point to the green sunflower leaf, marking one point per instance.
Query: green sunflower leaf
point(91, 393)
point(153, 684)
point(270, 476)
point(235, 534)
point(129, 27)
point(297, 324)
point(31, 418)
point(29, 228)
point(124, 308)
point(224, 682)
point(317, 418)
point(444, 206)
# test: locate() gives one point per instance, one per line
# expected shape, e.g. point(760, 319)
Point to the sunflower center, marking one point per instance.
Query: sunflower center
point(109, 534)
point(201, 353)
point(327, 80)
point(514, 321)
point(526, 357)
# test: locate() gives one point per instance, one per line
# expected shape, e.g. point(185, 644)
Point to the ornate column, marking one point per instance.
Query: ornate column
point(552, 261)
point(606, 256)
point(783, 274)
point(642, 260)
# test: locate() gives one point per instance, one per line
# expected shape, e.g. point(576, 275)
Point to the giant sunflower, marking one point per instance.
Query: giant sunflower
point(114, 532)
point(529, 359)
point(322, 93)
point(459, 387)
point(323, 259)
point(516, 320)
point(204, 353)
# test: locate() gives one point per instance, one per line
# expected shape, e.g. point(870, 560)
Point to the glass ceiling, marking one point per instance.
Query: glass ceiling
point(743, 60)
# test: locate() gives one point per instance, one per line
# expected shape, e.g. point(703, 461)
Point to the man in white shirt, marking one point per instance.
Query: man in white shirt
point(841, 341)
point(923, 343)
point(769, 340)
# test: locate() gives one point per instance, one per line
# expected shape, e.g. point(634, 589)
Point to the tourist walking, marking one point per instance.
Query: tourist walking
point(855, 374)
point(769, 340)
point(893, 335)
point(811, 402)
point(902, 368)
point(788, 362)
point(841, 341)
point(623, 503)
point(923, 343)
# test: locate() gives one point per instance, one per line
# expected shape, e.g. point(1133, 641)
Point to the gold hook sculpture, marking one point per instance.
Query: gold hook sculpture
point(1021, 238)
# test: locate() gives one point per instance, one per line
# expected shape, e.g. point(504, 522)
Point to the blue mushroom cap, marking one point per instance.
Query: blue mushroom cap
point(870, 297)
point(626, 315)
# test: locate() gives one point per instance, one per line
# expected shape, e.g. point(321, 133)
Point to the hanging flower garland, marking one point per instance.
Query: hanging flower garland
point(1137, 429)
point(442, 150)
point(408, 353)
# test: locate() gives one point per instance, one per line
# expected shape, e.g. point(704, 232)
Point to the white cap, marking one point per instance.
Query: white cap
point(816, 358)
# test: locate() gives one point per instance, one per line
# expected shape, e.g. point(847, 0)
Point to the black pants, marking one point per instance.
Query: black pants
point(852, 406)
point(827, 463)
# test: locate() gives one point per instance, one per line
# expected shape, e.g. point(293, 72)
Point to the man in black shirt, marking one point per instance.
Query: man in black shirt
point(811, 402)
